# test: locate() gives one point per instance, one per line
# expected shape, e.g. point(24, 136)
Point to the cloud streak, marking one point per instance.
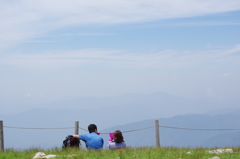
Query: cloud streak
point(25, 19)
point(168, 59)
point(87, 34)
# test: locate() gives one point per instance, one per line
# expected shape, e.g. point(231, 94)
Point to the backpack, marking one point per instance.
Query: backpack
point(71, 142)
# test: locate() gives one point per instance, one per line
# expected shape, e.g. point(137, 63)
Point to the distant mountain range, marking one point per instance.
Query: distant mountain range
point(107, 113)
point(109, 122)
point(184, 137)
point(141, 106)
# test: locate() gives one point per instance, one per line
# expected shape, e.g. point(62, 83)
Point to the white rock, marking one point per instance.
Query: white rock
point(229, 150)
point(40, 155)
point(218, 151)
point(189, 153)
point(71, 155)
point(43, 155)
point(51, 156)
point(215, 157)
point(215, 151)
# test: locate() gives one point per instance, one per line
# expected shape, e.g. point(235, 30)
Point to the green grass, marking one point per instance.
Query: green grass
point(129, 153)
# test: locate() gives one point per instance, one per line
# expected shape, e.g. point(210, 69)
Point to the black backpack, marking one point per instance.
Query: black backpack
point(71, 142)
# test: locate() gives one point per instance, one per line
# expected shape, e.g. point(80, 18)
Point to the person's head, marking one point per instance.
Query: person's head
point(92, 128)
point(117, 136)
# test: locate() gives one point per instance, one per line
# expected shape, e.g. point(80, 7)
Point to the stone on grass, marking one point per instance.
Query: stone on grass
point(189, 153)
point(215, 157)
point(218, 151)
point(39, 155)
point(51, 156)
point(43, 155)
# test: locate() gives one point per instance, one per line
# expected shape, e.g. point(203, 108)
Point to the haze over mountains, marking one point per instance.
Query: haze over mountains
point(184, 137)
point(157, 104)
point(124, 112)
point(48, 138)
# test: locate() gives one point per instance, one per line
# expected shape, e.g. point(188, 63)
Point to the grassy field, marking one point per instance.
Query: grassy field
point(129, 153)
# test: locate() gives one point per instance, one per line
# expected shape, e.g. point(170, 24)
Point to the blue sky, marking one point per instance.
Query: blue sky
point(50, 50)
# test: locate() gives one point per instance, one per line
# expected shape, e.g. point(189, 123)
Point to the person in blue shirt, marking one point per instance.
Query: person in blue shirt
point(93, 140)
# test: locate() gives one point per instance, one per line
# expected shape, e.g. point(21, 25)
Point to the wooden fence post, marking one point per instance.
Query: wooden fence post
point(157, 133)
point(1, 137)
point(76, 128)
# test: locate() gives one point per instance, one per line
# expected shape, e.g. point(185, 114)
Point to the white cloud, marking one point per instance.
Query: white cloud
point(226, 74)
point(87, 34)
point(38, 41)
point(26, 19)
point(167, 59)
point(233, 50)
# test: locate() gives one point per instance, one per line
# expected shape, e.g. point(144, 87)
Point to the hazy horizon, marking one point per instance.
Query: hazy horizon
point(158, 101)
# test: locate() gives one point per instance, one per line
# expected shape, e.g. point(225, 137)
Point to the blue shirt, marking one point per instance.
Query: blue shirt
point(93, 140)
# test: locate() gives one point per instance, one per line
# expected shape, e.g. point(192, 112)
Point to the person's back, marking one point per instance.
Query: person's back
point(114, 145)
point(92, 140)
point(116, 141)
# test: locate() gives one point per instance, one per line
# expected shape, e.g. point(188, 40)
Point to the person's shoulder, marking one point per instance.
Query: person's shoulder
point(123, 143)
point(100, 137)
point(94, 135)
point(111, 144)
point(83, 135)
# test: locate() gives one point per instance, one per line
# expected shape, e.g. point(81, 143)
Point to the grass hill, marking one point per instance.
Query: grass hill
point(129, 153)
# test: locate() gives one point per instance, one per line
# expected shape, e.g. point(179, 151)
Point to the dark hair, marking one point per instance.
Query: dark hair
point(92, 128)
point(117, 136)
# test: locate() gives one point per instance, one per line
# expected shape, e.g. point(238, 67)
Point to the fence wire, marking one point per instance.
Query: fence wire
point(127, 130)
point(83, 129)
point(36, 128)
point(197, 129)
point(133, 130)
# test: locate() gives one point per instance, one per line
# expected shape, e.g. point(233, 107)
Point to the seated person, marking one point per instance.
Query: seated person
point(93, 140)
point(116, 140)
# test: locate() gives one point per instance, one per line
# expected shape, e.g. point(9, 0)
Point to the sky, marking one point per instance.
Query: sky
point(52, 50)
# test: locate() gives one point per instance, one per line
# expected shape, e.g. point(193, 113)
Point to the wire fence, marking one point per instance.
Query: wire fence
point(37, 128)
point(127, 130)
point(76, 127)
point(198, 129)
